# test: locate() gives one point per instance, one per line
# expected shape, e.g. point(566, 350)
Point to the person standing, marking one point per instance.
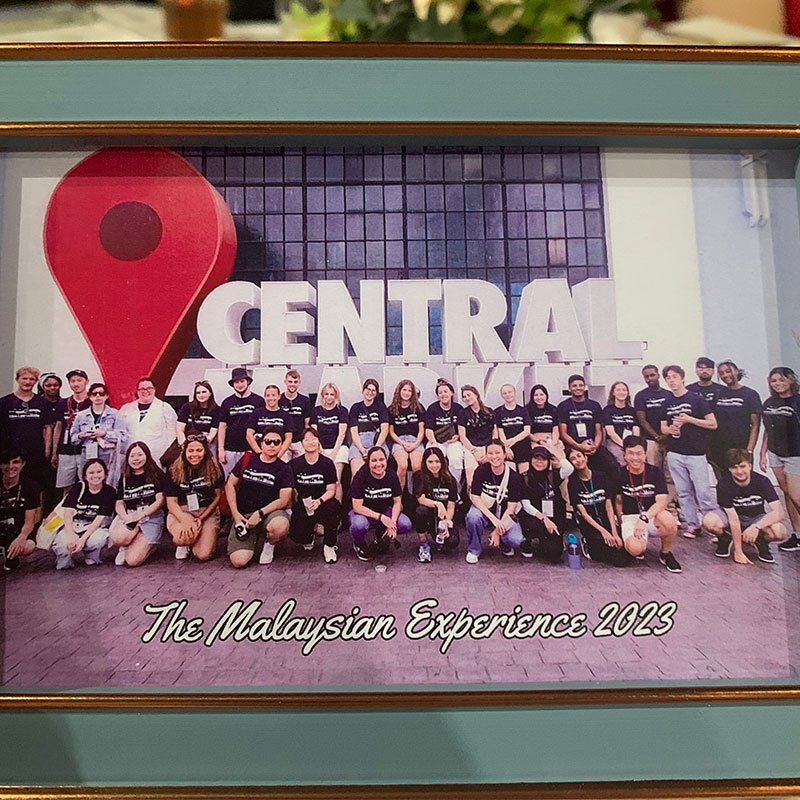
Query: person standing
point(738, 413)
point(619, 419)
point(780, 447)
point(442, 420)
point(704, 385)
point(97, 433)
point(149, 419)
point(200, 415)
point(235, 412)
point(68, 455)
point(298, 406)
point(271, 419)
point(49, 387)
point(514, 429)
point(687, 420)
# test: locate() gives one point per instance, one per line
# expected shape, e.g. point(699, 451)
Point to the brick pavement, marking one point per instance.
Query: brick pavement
point(83, 627)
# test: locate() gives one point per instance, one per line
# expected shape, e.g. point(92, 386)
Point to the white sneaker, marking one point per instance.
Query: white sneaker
point(182, 552)
point(119, 561)
point(472, 558)
point(267, 554)
point(309, 546)
point(90, 562)
point(329, 553)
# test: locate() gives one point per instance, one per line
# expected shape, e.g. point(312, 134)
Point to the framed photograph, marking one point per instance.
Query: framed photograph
point(591, 315)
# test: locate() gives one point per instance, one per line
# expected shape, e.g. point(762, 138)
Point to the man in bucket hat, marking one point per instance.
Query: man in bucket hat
point(235, 410)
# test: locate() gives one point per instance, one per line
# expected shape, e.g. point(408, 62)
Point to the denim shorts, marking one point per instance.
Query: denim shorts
point(790, 464)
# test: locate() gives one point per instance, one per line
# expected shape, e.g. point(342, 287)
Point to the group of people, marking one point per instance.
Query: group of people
point(266, 467)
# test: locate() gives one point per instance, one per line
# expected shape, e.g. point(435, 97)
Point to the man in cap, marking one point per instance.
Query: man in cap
point(68, 454)
point(235, 410)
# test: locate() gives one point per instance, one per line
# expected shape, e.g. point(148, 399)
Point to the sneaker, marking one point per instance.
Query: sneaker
point(90, 562)
point(267, 553)
point(670, 562)
point(361, 552)
point(182, 552)
point(525, 553)
point(10, 564)
point(764, 553)
point(790, 544)
point(309, 546)
point(472, 558)
point(119, 561)
point(724, 545)
point(329, 553)
point(691, 533)
point(640, 557)
point(585, 549)
point(424, 555)
point(509, 552)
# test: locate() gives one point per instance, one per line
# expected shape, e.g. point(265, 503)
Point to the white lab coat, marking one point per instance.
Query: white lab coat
point(156, 430)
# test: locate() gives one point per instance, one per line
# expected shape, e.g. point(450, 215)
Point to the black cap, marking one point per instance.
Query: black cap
point(237, 373)
point(543, 452)
point(78, 372)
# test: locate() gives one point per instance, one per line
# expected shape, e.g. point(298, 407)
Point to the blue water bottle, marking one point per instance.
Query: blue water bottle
point(573, 552)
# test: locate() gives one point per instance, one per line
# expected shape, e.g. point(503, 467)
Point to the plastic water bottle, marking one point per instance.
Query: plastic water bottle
point(573, 552)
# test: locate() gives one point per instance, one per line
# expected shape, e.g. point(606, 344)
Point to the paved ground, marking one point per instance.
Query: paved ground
point(83, 627)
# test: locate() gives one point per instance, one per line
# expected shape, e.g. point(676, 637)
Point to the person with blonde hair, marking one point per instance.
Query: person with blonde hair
point(329, 418)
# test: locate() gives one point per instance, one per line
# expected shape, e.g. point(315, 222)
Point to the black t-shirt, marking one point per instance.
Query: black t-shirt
point(235, 412)
point(406, 421)
point(640, 490)
point(478, 427)
point(591, 494)
point(14, 502)
point(733, 411)
point(484, 481)
point(311, 480)
point(587, 414)
point(327, 422)
point(693, 440)
point(748, 501)
point(298, 409)
point(623, 419)
point(22, 423)
point(651, 401)
point(65, 413)
point(512, 422)
point(264, 421)
point(88, 506)
point(444, 424)
point(543, 419)
point(138, 492)
point(543, 486)
point(443, 492)
point(260, 483)
point(196, 484)
point(200, 422)
point(377, 493)
point(368, 418)
point(781, 417)
point(710, 393)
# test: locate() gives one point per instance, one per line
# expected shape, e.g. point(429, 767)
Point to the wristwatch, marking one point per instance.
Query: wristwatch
point(261, 514)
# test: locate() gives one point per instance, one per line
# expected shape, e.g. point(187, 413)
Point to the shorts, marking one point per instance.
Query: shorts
point(152, 527)
point(68, 470)
point(745, 522)
point(256, 537)
point(791, 464)
point(367, 440)
point(470, 460)
point(214, 518)
point(629, 523)
point(522, 451)
point(341, 455)
point(408, 438)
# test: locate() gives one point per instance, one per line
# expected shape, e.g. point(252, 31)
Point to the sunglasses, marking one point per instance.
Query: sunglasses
point(196, 437)
point(273, 442)
point(97, 394)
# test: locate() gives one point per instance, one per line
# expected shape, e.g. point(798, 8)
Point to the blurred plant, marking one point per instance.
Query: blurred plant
point(452, 20)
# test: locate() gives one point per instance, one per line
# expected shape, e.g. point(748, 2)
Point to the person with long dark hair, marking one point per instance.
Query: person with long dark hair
point(544, 417)
point(137, 527)
point(619, 420)
point(201, 414)
point(738, 412)
point(369, 425)
point(436, 492)
point(780, 447)
point(193, 489)
point(406, 429)
point(476, 429)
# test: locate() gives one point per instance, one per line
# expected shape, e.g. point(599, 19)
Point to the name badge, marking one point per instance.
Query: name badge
point(547, 508)
point(193, 501)
point(92, 449)
point(580, 430)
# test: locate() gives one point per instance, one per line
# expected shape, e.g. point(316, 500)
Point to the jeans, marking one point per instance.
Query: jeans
point(690, 474)
point(476, 524)
point(360, 525)
point(91, 550)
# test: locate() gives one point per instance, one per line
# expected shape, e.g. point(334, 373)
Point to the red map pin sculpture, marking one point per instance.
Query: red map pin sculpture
point(136, 238)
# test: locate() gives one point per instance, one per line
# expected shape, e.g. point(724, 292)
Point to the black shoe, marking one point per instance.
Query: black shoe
point(724, 545)
point(764, 553)
point(670, 562)
point(790, 544)
point(11, 564)
point(361, 553)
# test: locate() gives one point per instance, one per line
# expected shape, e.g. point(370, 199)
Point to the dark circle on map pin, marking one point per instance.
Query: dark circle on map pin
point(130, 231)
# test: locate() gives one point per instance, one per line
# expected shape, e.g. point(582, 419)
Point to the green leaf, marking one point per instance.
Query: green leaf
point(355, 10)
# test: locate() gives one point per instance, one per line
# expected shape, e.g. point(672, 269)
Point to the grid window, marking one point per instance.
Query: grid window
point(508, 215)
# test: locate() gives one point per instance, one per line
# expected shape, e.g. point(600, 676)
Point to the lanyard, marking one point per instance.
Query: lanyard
point(594, 499)
point(636, 490)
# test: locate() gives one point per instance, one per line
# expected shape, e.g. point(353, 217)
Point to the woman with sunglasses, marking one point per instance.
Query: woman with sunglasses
point(139, 522)
point(193, 488)
point(199, 415)
point(369, 425)
point(98, 431)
